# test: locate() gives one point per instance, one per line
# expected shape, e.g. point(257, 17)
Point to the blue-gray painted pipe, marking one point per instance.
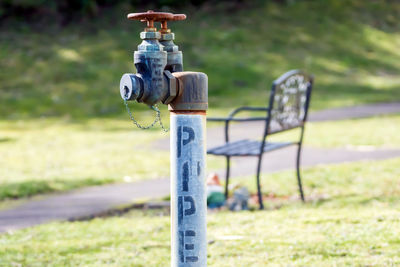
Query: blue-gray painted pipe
point(188, 193)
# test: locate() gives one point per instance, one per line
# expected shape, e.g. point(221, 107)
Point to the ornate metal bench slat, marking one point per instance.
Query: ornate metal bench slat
point(287, 110)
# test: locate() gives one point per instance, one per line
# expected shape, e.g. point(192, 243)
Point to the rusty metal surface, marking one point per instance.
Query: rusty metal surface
point(150, 17)
point(193, 91)
point(178, 17)
point(160, 78)
point(189, 112)
point(175, 17)
point(174, 59)
point(155, 59)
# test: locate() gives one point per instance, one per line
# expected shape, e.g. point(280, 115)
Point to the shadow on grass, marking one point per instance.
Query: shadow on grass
point(7, 139)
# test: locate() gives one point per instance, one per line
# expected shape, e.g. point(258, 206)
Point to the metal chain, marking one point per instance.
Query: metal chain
point(157, 119)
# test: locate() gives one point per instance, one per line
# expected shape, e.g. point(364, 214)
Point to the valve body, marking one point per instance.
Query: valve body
point(150, 84)
point(174, 57)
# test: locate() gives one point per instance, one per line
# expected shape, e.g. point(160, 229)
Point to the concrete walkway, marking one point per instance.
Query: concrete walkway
point(80, 203)
point(94, 200)
point(355, 112)
point(215, 133)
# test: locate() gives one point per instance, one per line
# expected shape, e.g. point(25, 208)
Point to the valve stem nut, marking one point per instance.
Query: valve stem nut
point(130, 86)
point(167, 36)
point(150, 35)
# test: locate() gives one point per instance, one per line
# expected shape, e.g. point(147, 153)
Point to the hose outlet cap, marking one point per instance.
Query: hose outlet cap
point(130, 86)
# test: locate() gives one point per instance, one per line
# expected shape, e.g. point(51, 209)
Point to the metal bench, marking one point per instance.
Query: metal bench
point(287, 110)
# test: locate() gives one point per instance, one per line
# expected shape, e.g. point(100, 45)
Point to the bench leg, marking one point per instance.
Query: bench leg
point(228, 161)
point(260, 201)
point(298, 172)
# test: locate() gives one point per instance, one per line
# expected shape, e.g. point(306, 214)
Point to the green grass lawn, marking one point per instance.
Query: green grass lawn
point(347, 185)
point(380, 132)
point(54, 82)
point(375, 132)
point(351, 46)
point(51, 155)
point(41, 156)
point(352, 220)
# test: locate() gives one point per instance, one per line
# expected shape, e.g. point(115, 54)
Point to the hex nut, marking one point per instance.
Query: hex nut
point(150, 35)
point(167, 36)
point(172, 87)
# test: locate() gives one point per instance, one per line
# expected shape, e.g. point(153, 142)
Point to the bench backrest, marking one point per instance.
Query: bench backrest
point(289, 101)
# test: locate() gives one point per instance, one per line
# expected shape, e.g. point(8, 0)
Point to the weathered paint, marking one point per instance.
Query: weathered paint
point(160, 78)
point(188, 193)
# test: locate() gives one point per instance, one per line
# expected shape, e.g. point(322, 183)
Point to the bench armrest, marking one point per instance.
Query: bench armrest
point(217, 119)
point(236, 111)
point(237, 119)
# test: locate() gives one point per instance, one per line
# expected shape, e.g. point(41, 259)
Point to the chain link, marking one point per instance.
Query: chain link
point(157, 119)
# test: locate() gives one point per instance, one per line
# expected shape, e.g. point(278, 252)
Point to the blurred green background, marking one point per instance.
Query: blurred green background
point(63, 126)
point(65, 58)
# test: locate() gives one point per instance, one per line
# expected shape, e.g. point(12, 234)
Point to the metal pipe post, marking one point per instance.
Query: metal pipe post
point(160, 78)
point(188, 166)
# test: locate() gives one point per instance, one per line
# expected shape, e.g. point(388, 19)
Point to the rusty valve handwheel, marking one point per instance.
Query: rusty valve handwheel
point(149, 17)
point(164, 27)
